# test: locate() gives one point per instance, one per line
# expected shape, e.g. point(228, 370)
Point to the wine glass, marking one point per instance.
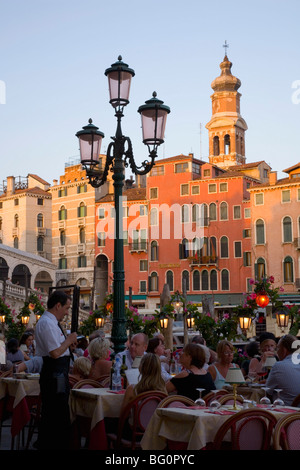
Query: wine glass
point(252, 376)
point(262, 373)
point(278, 401)
point(265, 400)
point(214, 404)
point(200, 401)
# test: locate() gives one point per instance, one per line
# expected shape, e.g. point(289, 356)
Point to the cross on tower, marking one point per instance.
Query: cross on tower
point(226, 47)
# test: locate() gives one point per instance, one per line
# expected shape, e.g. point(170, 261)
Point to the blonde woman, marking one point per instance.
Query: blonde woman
point(219, 369)
point(81, 368)
point(99, 349)
point(150, 378)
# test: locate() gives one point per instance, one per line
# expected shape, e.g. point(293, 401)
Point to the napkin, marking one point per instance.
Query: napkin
point(221, 412)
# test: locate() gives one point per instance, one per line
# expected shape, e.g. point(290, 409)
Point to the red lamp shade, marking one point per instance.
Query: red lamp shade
point(262, 300)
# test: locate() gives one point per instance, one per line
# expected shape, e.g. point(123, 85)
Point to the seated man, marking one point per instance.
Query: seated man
point(32, 366)
point(137, 347)
point(285, 374)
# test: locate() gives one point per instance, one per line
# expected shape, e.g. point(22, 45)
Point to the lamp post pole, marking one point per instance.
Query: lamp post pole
point(153, 115)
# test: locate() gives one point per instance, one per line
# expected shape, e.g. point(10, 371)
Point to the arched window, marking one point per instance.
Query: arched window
point(185, 213)
point(260, 232)
point(154, 250)
point(196, 280)
point(213, 280)
point(40, 221)
point(204, 215)
point(170, 280)
point(186, 280)
point(224, 247)
point(62, 213)
point(16, 221)
point(288, 275)
point(224, 279)
point(213, 247)
point(1, 226)
point(153, 282)
point(223, 211)
point(260, 268)
point(62, 238)
point(82, 235)
point(227, 144)
point(216, 146)
point(204, 279)
point(153, 216)
point(40, 244)
point(184, 249)
point(196, 214)
point(16, 242)
point(82, 210)
point(287, 229)
point(212, 211)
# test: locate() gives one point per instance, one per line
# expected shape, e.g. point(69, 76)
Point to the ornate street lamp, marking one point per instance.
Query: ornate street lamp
point(164, 321)
point(153, 115)
point(245, 323)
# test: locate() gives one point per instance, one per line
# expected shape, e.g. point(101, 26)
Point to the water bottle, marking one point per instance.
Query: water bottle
point(116, 377)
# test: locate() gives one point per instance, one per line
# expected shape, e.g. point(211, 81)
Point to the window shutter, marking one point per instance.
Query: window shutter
point(149, 283)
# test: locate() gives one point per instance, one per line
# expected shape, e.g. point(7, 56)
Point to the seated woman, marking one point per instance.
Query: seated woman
point(99, 349)
point(267, 348)
point(156, 346)
point(219, 369)
point(81, 368)
point(14, 354)
point(193, 376)
point(150, 378)
point(26, 345)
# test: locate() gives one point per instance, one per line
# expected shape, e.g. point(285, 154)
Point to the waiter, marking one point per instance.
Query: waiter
point(54, 348)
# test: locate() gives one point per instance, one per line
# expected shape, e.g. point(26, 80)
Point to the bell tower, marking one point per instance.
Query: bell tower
point(226, 129)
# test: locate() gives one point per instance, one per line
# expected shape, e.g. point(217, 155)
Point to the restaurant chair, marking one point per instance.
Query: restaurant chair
point(87, 383)
point(296, 401)
point(211, 396)
point(287, 433)
point(176, 401)
point(134, 420)
point(73, 381)
point(35, 415)
point(104, 380)
point(229, 399)
point(249, 429)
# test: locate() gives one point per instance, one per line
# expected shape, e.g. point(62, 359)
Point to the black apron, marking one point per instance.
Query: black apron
point(54, 429)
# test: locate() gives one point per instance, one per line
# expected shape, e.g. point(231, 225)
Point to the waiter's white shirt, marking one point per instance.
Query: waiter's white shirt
point(48, 335)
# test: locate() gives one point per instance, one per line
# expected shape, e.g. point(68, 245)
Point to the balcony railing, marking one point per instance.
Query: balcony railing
point(138, 246)
point(202, 260)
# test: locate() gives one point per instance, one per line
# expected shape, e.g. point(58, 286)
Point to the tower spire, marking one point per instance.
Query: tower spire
point(225, 47)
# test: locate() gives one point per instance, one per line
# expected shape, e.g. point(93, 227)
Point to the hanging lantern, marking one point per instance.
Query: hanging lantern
point(99, 322)
point(164, 321)
point(2, 318)
point(282, 318)
point(25, 319)
point(262, 299)
point(190, 321)
point(245, 322)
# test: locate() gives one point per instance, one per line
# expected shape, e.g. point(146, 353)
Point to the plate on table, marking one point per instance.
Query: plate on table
point(33, 376)
point(19, 375)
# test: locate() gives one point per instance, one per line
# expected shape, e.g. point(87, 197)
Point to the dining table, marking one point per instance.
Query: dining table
point(193, 425)
point(95, 404)
point(17, 396)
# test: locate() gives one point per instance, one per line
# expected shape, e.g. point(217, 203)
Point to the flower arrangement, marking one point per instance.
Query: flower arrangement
point(214, 330)
point(137, 323)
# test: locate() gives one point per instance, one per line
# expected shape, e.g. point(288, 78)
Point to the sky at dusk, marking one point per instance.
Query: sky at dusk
point(53, 54)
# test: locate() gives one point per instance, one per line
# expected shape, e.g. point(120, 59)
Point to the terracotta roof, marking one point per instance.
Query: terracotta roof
point(179, 158)
point(35, 190)
point(247, 165)
point(291, 168)
point(38, 178)
point(132, 194)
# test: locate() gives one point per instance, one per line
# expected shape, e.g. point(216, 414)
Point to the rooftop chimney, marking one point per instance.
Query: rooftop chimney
point(10, 185)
